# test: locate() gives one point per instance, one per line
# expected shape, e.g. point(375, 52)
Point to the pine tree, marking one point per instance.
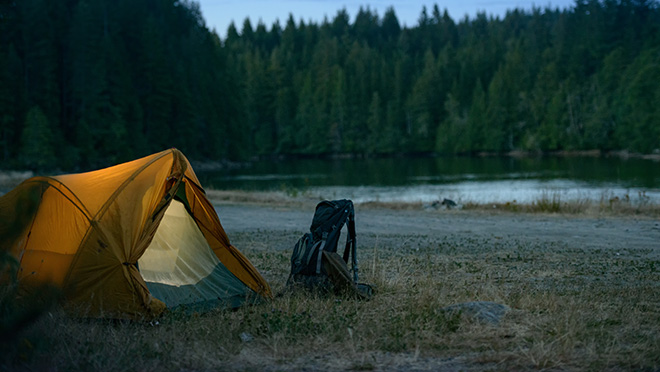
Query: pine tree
point(37, 141)
point(640, 115)
point(375, 125)
point(10, 102)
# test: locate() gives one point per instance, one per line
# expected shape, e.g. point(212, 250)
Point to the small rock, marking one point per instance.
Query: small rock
point(444, 204)
point(448, 203)
point(246, 337)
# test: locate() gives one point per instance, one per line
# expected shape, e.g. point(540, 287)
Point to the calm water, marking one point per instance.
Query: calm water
point(459, 178)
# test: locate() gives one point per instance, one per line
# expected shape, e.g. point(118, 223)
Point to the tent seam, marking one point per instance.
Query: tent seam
point(121, 187)
point(27, 240)
point(85, 212)
point(104, 208)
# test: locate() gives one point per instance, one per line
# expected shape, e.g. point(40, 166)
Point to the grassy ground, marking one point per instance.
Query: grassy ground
point(607, 204)
point(572, 309)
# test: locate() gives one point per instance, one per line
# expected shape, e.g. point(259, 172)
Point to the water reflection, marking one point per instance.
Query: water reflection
point(491, 179)
point(525, 191)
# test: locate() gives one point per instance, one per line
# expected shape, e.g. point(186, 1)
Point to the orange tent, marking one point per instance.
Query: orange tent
point(126, 241)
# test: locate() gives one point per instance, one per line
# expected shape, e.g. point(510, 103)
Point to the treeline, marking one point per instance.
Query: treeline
point(87, 83)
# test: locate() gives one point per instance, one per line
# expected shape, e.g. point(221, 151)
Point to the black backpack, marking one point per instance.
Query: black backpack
point(315, 262)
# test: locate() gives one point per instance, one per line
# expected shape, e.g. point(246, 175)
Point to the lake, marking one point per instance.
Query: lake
point(462, 179)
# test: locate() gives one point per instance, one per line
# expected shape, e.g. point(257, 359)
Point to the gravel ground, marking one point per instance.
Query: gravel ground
point(409, 229)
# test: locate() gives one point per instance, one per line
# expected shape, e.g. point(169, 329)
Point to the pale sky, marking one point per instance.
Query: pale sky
point(219, 13)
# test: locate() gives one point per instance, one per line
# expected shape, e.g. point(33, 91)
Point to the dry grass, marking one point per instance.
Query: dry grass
point(551, 202)
point(272, 198)
point(573, 309)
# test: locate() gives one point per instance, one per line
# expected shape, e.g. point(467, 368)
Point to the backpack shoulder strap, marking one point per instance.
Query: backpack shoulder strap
point(320, 253)
point(351, 242)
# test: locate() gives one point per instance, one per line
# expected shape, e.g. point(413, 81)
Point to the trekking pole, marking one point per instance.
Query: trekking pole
point(351, 231)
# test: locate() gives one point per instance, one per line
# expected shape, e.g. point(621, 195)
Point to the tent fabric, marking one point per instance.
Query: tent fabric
point(186, 276)
point(88, 233)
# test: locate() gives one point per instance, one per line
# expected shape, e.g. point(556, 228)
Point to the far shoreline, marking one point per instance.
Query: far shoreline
point(595, 153)
point(16, 175)
point(214, 166)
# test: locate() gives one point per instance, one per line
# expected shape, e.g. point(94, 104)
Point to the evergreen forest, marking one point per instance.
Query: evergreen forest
point(91, 83)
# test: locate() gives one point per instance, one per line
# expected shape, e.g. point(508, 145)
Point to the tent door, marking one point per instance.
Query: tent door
point(180, 268)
